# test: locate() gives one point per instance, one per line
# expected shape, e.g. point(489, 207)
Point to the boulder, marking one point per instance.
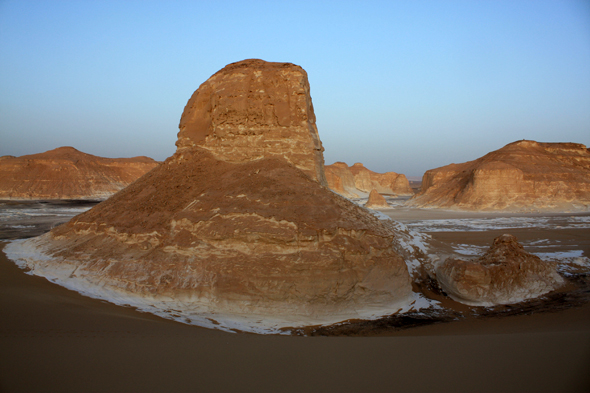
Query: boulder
point(505, 274)
point(237, 229)
point(66, 173)
point(521, 176)
point(376, 201)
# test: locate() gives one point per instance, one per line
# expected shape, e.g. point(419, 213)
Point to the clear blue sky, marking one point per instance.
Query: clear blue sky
point(401, 86)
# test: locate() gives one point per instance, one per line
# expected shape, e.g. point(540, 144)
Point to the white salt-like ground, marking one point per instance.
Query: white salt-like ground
point(27, 256)
point(410, 242)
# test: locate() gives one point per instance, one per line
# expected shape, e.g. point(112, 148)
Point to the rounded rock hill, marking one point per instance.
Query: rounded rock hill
point(67, 173)
point(522, 176)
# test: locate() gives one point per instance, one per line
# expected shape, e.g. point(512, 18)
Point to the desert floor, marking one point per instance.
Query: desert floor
point(53, 339)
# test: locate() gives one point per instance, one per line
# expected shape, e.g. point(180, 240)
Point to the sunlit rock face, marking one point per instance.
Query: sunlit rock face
point(238, 220)
point(66, 173)
point(505, 274)
point(254, 109)
point(357, 180)
point(376, 201)
point(524, 175)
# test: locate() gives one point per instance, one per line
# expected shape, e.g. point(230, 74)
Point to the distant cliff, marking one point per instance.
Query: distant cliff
point(66, 173)
point(521, 176)
point(355, 180)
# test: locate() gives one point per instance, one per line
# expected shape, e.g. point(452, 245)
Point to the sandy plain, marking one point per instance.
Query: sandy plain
point(54, 339)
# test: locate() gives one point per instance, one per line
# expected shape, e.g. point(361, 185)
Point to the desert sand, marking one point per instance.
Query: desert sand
point(252, 208)
point(54, 339)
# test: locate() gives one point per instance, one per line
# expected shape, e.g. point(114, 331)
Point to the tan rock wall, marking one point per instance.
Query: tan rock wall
point(66, 173)
point(524, 175)
point(255, 109)
point(358, 179)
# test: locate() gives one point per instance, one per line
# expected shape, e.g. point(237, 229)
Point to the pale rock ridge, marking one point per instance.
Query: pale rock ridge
point(376, 200)
point(257, 238)
point(66, 173)
point(355, 180)
point(524, 175)
point(255, 109)
point(505, 274)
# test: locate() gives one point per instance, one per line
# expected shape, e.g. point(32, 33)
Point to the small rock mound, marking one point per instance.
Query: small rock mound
point(505, 274)
point(376, 200)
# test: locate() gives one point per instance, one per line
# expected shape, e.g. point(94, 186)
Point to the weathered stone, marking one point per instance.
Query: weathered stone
point(523, 175)
point(357, 180)
point(254, 109)
point(376, 200)
point(505, 274)
point(237, 228)
point(66, 173)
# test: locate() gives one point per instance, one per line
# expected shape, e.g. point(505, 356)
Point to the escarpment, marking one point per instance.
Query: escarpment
point(66, 173)
point(521, 176)
point(357, 180)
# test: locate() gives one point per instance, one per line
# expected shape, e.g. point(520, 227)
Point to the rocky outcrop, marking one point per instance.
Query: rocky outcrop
point(357, 180)
point(524, 175)
point(505, 274)
point(66, 173)
point(376, 201)
point(255, 109)
point(231, 229)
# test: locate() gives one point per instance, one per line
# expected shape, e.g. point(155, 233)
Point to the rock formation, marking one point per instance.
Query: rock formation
point(241, 114)
point(523, 175)
point(505, 274)
point(357, 180)
point(376, 200)
point(66, 173)
point(237, 224)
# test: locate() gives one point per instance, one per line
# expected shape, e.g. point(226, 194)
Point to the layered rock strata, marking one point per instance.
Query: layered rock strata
point(376, 201)
point(357, 180)
point(66, 173)
point(255, 109)
point(505, 274)
point(521, 176)
point(228, 227)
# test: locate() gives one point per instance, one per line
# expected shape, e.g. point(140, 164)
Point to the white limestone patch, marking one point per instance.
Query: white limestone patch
point(411, 244)
point(486, 224)
point(29, 255)
point(469, 249)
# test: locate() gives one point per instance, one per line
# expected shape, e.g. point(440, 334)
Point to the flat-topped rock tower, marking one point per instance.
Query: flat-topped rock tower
point(255, 109)
point(238, 224)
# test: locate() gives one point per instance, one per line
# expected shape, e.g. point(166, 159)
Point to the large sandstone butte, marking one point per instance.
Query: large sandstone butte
point(357, 180)
point(66, 173)
point(254, 109)
point(505, 274)
point(523, 175)
point(237, 223)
